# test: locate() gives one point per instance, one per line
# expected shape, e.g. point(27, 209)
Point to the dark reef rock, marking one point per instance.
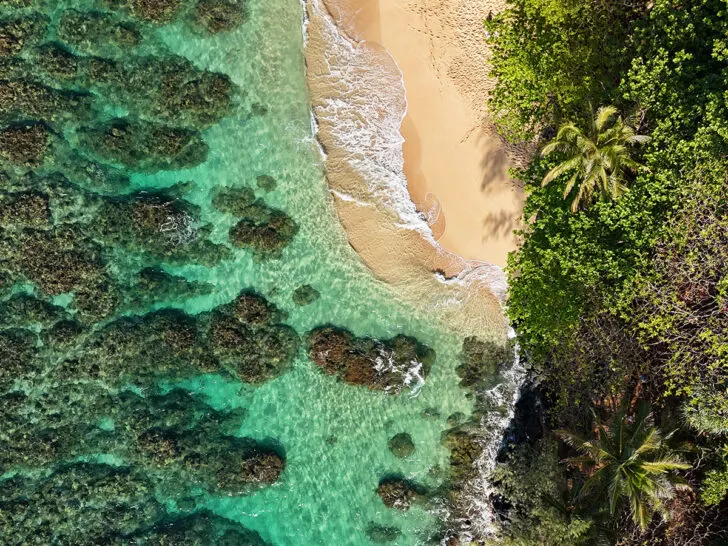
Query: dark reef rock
point(220, 15)
point(398, 492)
point(247, 336)
point(155, 11)
point(144, 146)
point(24, 209)
point(26, 99)
point(430, 413)
point(165, 343)
point(19, 351)
point(202, 528)
point(77, 503)
point(97, 32)
point(93, 503)
point(59, 64)
point(382, 365)
point(465, 450)
point(305, 295)
point(263, 229)
point(455, 419)
point(481, 361)
point(156, 224)
point(24, 144)
point(170, 89)
point(233, 201)
point(63, 334)
point(25, 310)
point(58, 262)
point(18, 32)
point(82, 379)
point(244, 337)
point(266, 182)
point(248, 466)
point(224, 463)
point(381, 534)
point(154, 284)
point(401, 445)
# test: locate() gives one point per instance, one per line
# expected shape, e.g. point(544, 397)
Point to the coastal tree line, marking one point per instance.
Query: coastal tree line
point(619, 291)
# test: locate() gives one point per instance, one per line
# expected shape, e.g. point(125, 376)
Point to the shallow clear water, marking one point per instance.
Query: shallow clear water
point(327, 495)
point(335, 435)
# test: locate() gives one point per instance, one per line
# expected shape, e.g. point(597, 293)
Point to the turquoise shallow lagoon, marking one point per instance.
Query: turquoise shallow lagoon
point(334, 435)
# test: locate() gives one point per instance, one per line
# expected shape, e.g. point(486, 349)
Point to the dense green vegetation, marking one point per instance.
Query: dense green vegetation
point(620, 301)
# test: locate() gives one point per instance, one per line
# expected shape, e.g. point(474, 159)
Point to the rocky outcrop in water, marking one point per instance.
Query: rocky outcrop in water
point(398, 492)
point(263, 229)
point(401, 445)
point(382, 534)
point(389, 365)
point(87, 502)
point(305, 295)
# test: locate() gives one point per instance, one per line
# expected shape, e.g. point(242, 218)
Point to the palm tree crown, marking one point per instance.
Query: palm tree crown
point(629, 460)
point(598, 159)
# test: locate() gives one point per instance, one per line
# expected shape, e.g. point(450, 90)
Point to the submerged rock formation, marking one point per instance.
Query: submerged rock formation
point(305, 295)
point(102, 504)
point(97, 443)
point(401, 445)
point(389, 365)
point(263, 229)
point(398, 492)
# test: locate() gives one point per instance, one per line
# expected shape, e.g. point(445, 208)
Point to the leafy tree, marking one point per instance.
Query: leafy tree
point(629, 461)
point(599, 159)
point(551, 58)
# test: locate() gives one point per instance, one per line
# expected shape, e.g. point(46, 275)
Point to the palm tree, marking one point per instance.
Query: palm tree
point(629, 460)
point(599, 160)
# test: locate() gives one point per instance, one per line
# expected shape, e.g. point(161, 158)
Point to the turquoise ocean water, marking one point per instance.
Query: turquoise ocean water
point(334, 435)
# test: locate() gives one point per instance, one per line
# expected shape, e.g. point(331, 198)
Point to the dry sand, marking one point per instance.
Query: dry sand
point(452, 154)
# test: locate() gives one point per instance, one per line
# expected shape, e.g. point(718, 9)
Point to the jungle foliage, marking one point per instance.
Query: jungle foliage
point(625, 297)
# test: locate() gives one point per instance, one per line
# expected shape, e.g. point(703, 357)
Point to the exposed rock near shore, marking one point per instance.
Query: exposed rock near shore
point(389, 365)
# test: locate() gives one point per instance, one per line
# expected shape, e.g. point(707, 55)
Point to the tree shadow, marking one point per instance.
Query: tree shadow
point(498, 224)
point(494, 163)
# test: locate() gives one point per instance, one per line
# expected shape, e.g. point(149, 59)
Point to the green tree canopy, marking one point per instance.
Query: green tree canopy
point(629, 461)
point(598, 158)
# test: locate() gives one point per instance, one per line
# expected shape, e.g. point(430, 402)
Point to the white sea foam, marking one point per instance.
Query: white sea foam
point(493, 427)
point(364, 115)
point(412, 374)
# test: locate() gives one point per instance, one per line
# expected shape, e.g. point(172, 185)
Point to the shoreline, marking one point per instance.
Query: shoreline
point(358, 104)
point(455, 164)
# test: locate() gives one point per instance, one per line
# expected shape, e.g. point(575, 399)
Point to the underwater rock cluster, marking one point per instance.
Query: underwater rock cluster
point(263, 229)
point(305, 295)
point(399, 492)
point(401, 445)
point(389, 365)
point(96, 446)
point(95, 503)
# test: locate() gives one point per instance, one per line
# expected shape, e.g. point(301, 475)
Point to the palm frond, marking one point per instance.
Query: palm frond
point(604, 114)
point(599, 157)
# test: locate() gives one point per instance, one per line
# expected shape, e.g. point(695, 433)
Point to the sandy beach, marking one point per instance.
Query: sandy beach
point(455, 163)
point(421, 192)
